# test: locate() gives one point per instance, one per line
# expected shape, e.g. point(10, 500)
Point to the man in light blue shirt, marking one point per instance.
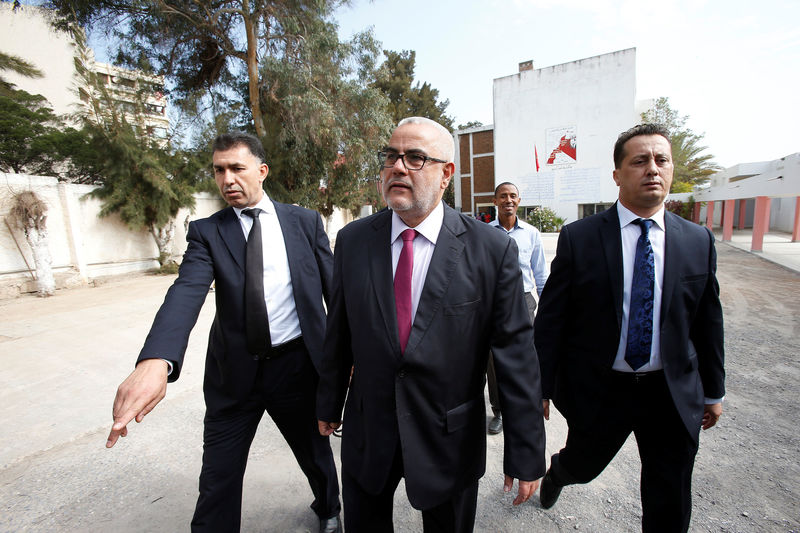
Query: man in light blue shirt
point(531, 263)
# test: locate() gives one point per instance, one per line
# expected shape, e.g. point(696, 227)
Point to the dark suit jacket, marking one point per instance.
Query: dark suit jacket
point(216, 252)
point(431, 398)
point(580, 316)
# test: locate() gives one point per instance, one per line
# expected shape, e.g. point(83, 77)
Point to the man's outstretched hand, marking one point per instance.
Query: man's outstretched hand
point(137, 396)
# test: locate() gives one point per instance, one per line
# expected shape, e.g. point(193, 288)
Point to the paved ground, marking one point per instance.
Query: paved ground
point(62, 358)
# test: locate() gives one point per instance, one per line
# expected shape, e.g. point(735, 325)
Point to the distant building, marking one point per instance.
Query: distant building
point(553, 136)
point(28, 34)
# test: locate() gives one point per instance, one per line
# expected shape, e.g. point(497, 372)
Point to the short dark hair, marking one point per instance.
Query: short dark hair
point(226, 141)
point(502, 184)
point(639, 129)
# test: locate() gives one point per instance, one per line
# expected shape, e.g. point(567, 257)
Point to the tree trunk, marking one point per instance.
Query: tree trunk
point(250, 22)
point(37, 240)
point(163, 237)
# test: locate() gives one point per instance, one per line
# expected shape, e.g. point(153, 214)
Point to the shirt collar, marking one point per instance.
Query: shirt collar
point(496, 222)
point(626, 216)
point(265, 204)
point(428, 228)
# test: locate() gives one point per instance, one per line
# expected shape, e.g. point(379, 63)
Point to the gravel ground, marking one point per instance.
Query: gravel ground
point(62, 359)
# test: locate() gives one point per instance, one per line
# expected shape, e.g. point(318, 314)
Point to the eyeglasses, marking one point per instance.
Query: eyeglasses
point(412, 161)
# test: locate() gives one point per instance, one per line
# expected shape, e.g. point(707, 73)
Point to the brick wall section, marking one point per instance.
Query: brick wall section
point(464, 153)
point(483, 142)
point(484, 174)
point(466, 195)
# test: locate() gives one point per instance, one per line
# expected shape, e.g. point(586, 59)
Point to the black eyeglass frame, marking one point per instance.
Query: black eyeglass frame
point(383, 154)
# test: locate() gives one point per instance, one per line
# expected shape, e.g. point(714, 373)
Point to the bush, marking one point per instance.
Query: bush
point(683, 210)
point(546, 220)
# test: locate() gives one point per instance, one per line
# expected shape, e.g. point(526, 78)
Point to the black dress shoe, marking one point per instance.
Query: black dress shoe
point(549, 491)
point(331, 525)
point(496, 425)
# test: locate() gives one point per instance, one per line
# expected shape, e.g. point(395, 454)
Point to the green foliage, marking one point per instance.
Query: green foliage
point(682, 209)
point(274, 68)
point(29, 133)
point(326, 123)
point(145, 185)
point(692, 167)
point(18, 65)
point(142, 181)
point(394, 79)
point(470, 124)
point(546, 220)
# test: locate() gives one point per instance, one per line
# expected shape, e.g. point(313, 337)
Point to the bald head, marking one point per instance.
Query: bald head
point(444, 140)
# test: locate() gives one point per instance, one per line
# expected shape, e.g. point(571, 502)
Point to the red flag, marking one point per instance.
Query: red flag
point(535, 151)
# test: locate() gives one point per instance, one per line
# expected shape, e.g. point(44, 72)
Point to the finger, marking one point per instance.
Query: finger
point(120, 421)
point(522, 495)
point(508, 483)
point(147, 408)
point(113, 436)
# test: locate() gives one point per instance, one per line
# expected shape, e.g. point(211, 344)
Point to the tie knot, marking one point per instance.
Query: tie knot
point(252, 212)
point(645, 224)
point(409, 235)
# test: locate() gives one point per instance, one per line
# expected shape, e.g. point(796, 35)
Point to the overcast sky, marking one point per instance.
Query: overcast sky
point(732, 66)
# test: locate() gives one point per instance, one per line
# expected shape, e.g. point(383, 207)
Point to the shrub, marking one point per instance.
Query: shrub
point(546, 220)
point(682, 209)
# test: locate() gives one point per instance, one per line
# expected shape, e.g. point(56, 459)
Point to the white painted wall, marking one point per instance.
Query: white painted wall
point(597, 96)
point(27, 34)
point(84, 246)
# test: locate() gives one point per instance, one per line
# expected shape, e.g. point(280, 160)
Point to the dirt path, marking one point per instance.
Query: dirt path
point(62, 359)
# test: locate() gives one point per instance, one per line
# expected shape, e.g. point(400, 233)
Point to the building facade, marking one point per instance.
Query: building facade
point(553, 135)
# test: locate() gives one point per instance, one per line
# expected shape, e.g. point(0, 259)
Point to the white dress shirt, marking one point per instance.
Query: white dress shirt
point(630, 233)
point(424, 245)
point(283, 322)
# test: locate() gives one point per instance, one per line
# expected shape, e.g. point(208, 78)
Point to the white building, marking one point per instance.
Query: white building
point(28, 34)
point(554, 134)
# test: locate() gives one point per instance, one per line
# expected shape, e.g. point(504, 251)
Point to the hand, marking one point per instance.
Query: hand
point(711, 414)
point(326, 428)
point(137, 396)
point(546, 409)
point(525, 491)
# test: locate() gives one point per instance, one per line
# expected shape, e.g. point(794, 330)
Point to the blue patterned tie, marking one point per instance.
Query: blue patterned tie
point(640, 315)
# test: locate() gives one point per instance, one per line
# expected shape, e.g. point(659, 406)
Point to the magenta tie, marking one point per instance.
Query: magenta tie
point(402, 287)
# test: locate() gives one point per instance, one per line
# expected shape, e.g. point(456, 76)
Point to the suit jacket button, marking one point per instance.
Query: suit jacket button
point(401, 374)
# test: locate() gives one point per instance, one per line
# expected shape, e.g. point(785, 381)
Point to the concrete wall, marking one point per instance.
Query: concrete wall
point(595, 98)
point(84, 246)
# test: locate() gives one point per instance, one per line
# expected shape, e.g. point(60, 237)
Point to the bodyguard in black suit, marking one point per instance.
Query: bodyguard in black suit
point(415, 404)
point(265, 343)
point(630, 339)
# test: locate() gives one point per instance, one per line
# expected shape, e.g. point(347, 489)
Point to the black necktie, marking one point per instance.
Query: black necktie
point(255, 306)
point(640, 314)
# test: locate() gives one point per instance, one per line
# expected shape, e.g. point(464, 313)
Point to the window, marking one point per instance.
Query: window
point(587, 210)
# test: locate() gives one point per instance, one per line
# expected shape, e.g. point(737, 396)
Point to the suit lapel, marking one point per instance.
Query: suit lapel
point(290, 228)
point(446, 255)
point(672, 260)
point(612, 245)
point(230, 230)
point(380, 267)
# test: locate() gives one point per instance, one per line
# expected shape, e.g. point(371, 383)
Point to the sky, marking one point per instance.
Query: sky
point(733, 66)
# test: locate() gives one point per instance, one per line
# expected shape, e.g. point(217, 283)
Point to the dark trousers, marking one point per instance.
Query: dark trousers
point(667, 450)
point(491, 377)
point(372, 513)
point(286, 389)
